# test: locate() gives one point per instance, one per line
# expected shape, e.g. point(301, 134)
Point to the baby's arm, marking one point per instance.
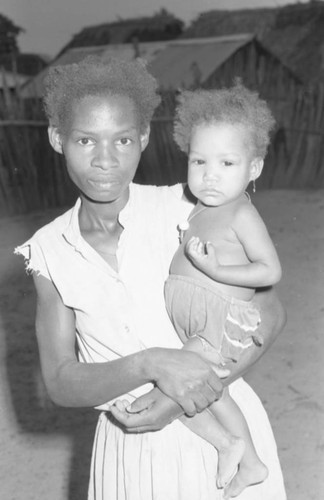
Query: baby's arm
point(264, 268)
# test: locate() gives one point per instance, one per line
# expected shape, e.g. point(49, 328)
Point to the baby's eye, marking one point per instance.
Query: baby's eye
point(228, 163)
point(85, 141)
point(197, 162)
point(124, 141)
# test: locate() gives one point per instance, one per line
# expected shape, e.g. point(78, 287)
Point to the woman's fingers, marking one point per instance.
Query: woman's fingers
point(215, 383)
point(142, 403)
point(129, 421)
point(161, 411)
point(189, 406)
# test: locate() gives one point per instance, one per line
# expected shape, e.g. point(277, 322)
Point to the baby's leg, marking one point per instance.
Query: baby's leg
point(251, 470)
point(230, 447)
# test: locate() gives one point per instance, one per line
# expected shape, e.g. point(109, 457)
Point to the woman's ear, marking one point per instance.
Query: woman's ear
point(256, 168)
point(145, 138)
point(55, 139)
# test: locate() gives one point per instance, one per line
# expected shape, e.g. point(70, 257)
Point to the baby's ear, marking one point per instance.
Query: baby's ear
point(256, 168)
point(145, 136)
point(55, 139)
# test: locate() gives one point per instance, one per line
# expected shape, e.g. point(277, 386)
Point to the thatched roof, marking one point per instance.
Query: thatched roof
point(8, 34)
point(161, 26)
point(297, 37)
point(229, 22)
point(294, 33)
point(188, 63)
point(125, 51)
point(176, 63)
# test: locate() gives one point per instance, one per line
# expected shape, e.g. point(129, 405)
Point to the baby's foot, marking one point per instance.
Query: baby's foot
point(247, 475)
point(229, 458)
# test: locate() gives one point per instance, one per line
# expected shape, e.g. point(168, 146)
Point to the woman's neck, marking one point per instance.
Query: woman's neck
point(101, 216)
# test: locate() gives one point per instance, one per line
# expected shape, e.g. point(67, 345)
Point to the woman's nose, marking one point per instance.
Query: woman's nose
point(104, 158)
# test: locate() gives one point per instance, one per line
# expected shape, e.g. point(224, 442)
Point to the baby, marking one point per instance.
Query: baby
point(225, 254)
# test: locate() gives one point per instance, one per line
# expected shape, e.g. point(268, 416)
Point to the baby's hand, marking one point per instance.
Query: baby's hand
point(202, 254)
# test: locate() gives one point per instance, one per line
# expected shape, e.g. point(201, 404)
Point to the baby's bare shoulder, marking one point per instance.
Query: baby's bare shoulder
point(246, 216)
point(244, 208)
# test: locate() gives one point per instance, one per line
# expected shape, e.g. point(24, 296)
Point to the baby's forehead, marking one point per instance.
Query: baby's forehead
point(217, 124)
point(216, 127)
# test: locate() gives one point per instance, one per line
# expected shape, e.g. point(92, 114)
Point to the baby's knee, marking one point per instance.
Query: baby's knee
point(197, 344)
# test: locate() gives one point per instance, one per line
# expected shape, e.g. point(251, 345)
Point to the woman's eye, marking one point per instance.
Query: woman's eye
point(85, 141)
point(124, 141)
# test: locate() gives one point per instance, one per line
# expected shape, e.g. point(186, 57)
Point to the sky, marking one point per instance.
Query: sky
point(50, 24)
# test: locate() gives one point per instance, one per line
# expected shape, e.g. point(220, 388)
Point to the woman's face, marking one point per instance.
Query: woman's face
point(102, 145)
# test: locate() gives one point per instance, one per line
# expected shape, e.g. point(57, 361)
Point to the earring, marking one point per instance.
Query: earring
point(253, 186)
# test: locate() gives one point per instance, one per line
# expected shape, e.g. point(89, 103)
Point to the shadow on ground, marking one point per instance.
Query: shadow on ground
point(34, 413)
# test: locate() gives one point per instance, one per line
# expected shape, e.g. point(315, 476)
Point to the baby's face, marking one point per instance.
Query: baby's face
point(102, 144)
point(220, 162)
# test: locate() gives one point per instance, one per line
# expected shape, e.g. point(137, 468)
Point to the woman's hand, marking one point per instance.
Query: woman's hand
point(154, 410)
point(187, 378)
point(150, 412)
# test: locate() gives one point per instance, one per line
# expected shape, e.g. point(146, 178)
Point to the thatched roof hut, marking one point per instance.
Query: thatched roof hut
point(8, 34)
point(294, 33)
point(230, 22)
point(198, 62)
point(161, 26)
point(216, 61)
point(126, 51)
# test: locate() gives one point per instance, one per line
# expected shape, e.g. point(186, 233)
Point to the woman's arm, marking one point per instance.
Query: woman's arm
point(153, 410)
point(187, 379)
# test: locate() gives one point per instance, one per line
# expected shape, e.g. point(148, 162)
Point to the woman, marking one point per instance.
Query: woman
point(101, 324)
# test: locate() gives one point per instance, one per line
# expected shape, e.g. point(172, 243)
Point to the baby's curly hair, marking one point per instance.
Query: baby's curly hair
point(234, 105)
point(93, 76)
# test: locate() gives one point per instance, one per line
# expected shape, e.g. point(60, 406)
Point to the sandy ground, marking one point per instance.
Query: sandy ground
point(45, 450)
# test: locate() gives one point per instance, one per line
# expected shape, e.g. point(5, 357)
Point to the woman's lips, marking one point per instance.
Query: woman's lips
point(102, 181)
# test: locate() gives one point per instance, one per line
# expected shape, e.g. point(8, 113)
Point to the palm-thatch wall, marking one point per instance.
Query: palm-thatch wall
point(33, 177)
point(293, 32)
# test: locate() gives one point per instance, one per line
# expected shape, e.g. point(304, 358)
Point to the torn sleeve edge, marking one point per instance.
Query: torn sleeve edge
point(30, 268)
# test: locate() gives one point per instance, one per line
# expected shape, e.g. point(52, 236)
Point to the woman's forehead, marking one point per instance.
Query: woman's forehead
point(103, 108)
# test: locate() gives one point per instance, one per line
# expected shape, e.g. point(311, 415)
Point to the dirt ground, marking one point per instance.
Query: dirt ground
point(45, 450)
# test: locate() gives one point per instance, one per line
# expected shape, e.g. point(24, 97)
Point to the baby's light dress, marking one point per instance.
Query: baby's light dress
point(121, 313)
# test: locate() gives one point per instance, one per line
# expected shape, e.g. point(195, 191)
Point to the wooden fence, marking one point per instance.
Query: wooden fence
point(33, 177)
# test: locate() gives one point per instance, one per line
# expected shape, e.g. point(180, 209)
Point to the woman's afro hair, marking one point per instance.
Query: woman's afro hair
point(95, 76)
point(234, 105)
